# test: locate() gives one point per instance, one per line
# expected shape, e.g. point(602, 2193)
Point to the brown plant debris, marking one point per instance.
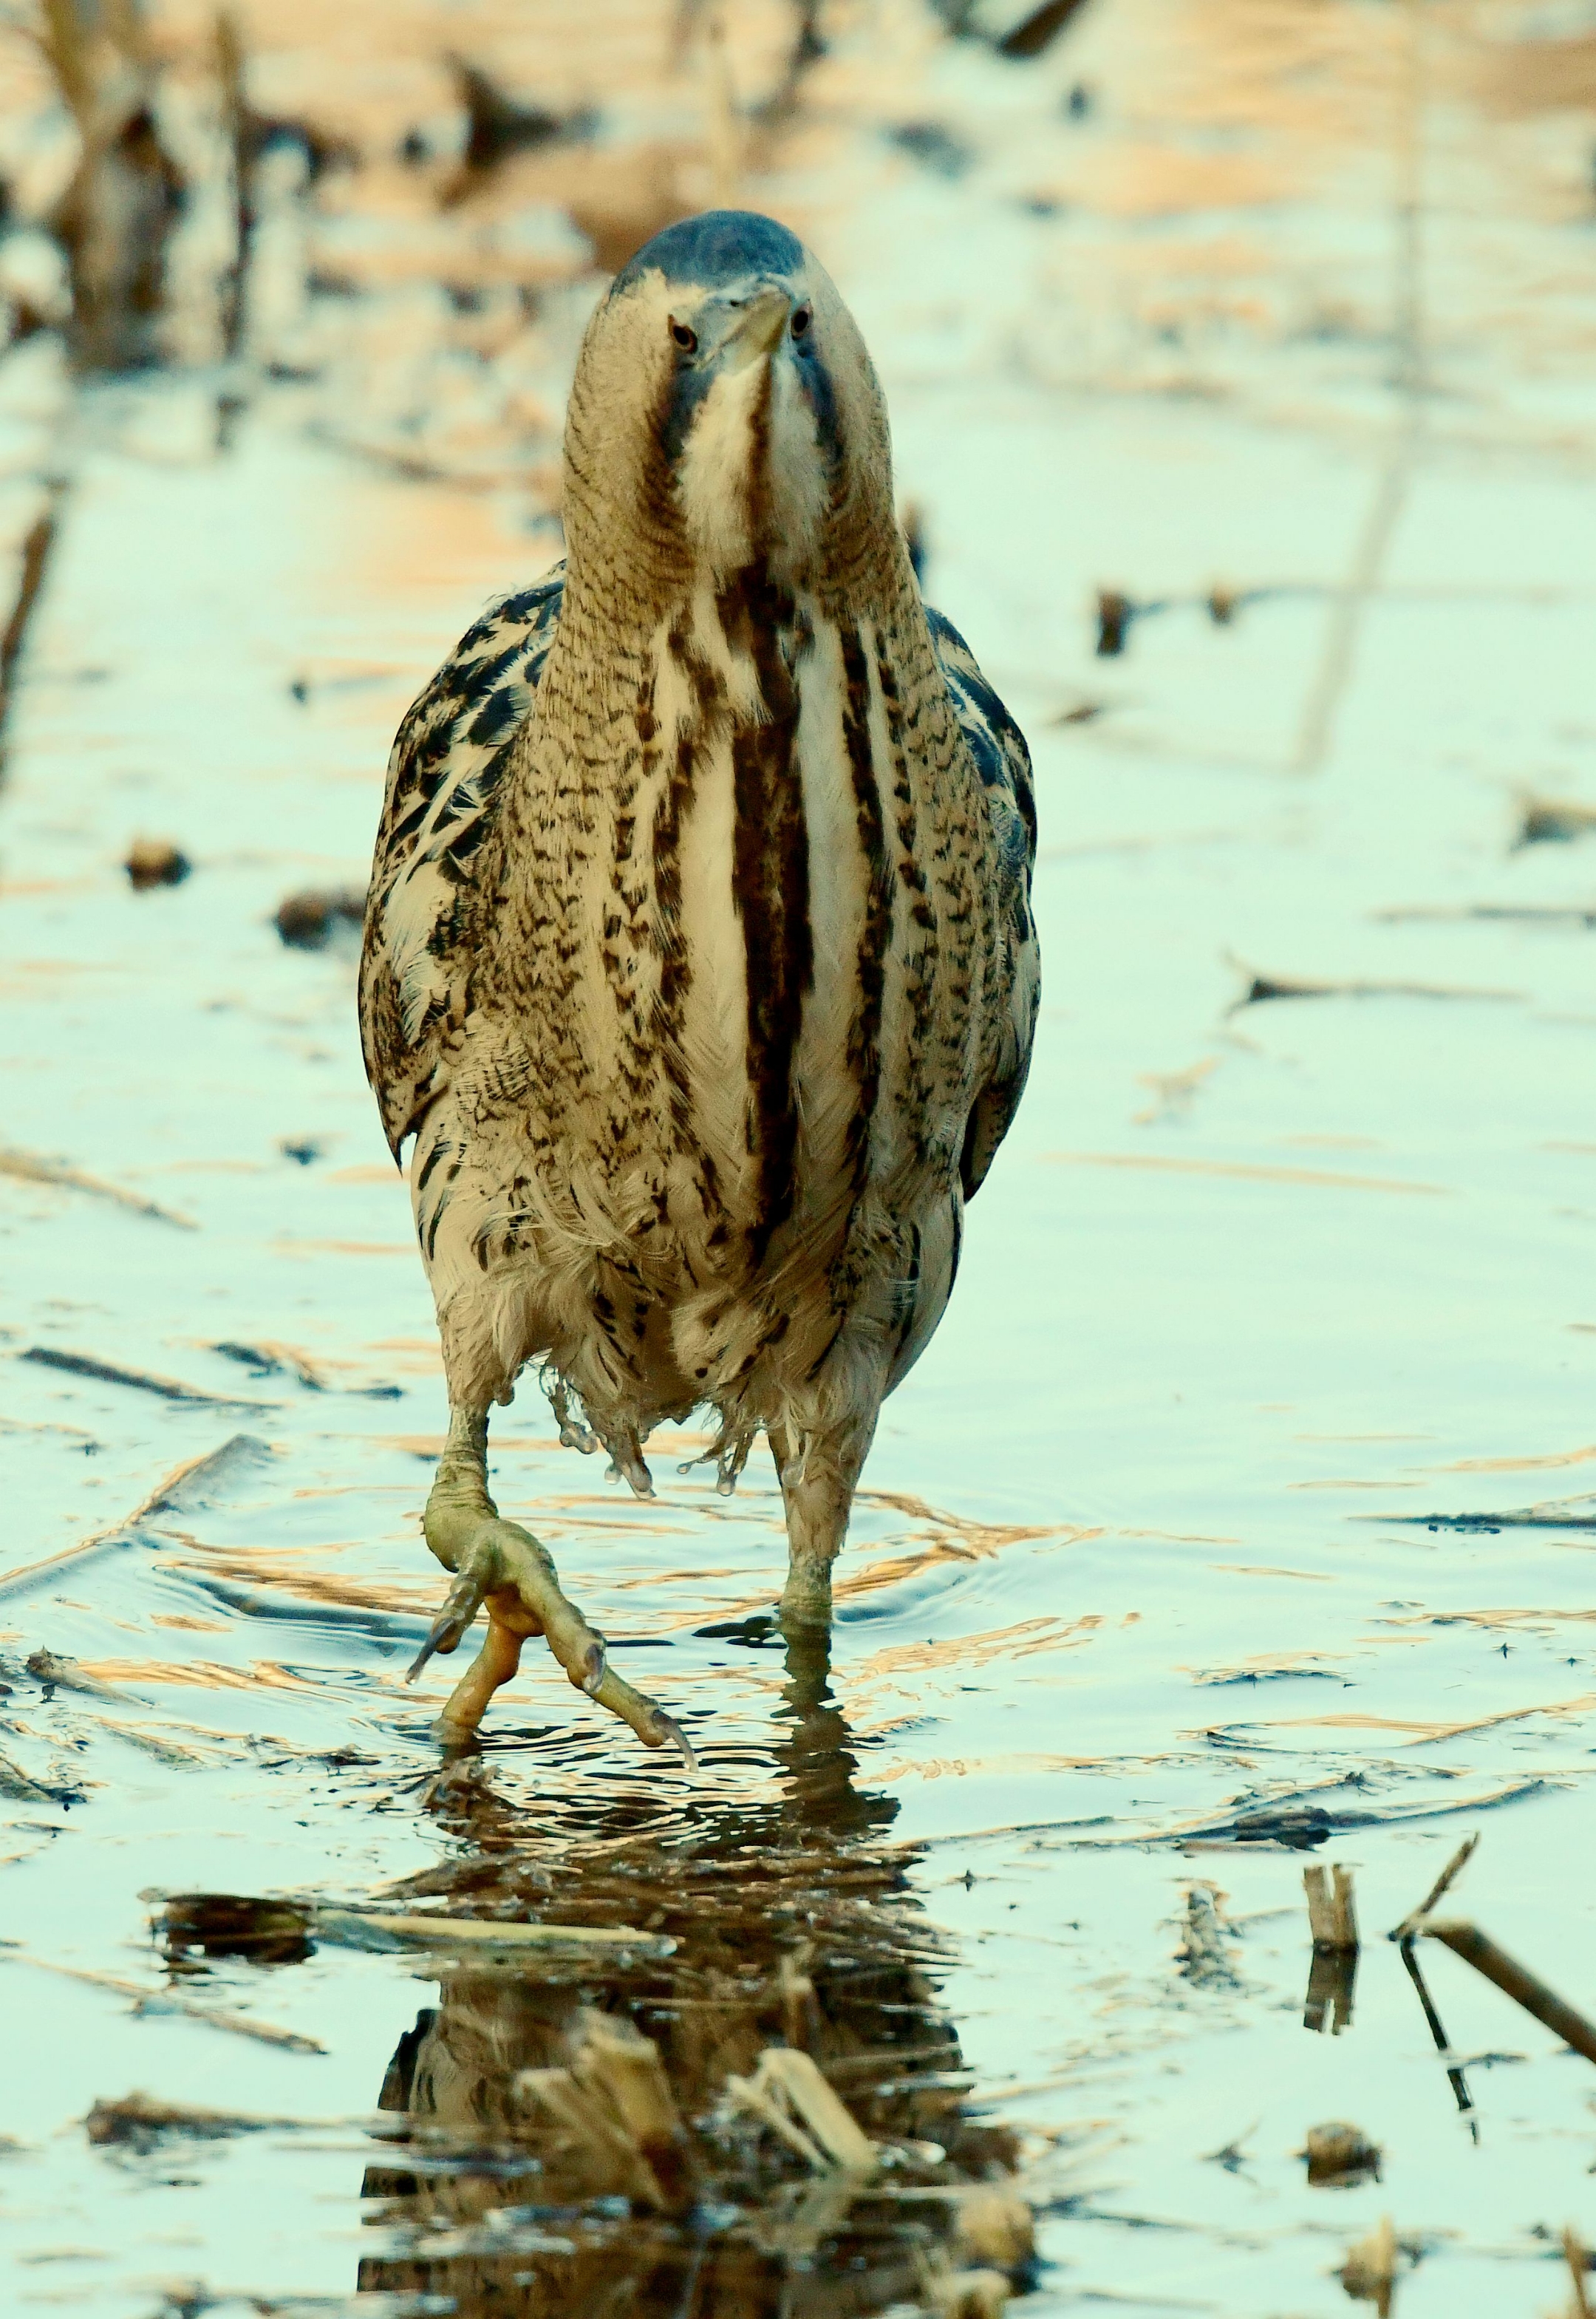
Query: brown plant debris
point(198, 1926)
point(138, 2121)
point(85, 1365)
point(1263, 988)
point(184, 1490)
point(1515, 1981)
point(1339, 2156)
point(788, 2094)
point(308, 920)
point(155, 862)
point(613, 2111)
point(155, 2000)
point(1369, 2271)
point(66, 1675)
point(1581, 2263)
point(20, 1787)
point(1552, 822)
point(36, 553)
point(1204, 1959)
point(1550, 1513)
point(28, 1168)
point(1412, 1923)
point(1331, 1918)
point(370, 1929)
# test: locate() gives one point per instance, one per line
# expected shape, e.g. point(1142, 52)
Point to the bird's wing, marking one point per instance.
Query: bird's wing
point(998, 749)
point(443, 778)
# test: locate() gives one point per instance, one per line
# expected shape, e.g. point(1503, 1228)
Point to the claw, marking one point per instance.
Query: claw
point(595, 1666)
point(670, 1734)
point(461, 1605)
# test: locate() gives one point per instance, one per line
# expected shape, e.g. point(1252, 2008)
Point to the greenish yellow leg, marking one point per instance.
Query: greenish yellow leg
point(499, 1563)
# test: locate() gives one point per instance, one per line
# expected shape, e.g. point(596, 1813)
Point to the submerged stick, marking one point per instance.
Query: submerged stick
point(1526, 1989)
point(1454, 2077)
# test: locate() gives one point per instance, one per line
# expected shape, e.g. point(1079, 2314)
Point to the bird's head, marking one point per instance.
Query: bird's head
point(726, 412)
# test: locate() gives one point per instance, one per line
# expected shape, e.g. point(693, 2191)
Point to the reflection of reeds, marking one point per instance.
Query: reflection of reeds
point(765, 2113)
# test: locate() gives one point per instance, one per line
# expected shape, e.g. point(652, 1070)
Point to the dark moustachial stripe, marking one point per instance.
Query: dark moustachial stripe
point(864, 1037)
point(770, 889)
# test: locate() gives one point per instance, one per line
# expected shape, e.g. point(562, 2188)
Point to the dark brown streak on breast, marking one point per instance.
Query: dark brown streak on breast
point(771, 890)
point(864, 1038)
point(671, 937)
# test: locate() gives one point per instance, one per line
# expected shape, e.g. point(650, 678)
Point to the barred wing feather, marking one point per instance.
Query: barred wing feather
point(449, 759)
point(998, 749)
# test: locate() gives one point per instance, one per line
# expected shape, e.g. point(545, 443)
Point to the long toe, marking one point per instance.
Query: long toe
point(525, 1598)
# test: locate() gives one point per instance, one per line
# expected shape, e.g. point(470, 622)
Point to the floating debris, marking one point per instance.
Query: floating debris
point(28, 1168)
point(233, 1925)
point(371, 1928)
point(20, 1787)
point(1515, 1981)
point(1544, 822)
point(1262, 990)
point(185, 1489)
point(36, 553)
point(1443, 1884)
point(1204, 1959)
point(155, 862)
point(85, 1365)
point(156, 2001)
point(1035, 33)
point(65, 1675)
point(1332, 1920)
point(1369, 2271)
point(1340, 2157)
point(138, 2121)
point(1477, 1948)
point(1581, 2263)
point(309, 920)
point(1115, 613)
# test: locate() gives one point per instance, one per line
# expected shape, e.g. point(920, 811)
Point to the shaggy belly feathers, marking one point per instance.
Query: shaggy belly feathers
point(708, 1018)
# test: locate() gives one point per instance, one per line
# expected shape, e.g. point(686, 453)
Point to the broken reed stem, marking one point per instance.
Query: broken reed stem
point(36, 552)
point(1331, 1918)
point(1579, 2264)
point(1476, 1948)
point(1442, 1885)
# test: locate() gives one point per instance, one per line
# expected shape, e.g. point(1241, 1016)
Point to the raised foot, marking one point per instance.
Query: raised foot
point(502, 1565)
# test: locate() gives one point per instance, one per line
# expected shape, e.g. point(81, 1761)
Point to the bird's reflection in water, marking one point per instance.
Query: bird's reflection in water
point(644, 2133)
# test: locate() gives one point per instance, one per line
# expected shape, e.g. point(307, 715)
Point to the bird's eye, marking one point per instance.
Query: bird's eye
point(801, 320)
point(685, 339)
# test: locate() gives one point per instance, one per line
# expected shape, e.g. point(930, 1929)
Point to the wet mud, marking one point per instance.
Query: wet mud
point(1234, 1526)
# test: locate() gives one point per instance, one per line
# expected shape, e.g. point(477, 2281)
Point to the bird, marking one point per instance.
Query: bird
point(699, 971)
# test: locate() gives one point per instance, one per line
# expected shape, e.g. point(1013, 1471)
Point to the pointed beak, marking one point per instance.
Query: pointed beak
point(756, 328)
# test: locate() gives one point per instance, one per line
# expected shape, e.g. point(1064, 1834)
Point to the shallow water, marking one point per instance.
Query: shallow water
point(1253, 1290)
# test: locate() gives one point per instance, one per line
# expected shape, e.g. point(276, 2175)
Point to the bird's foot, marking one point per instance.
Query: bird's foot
point(503, 1566)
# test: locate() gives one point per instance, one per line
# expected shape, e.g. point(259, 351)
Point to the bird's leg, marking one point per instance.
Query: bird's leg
point(817, 1490)
point(499, 1564)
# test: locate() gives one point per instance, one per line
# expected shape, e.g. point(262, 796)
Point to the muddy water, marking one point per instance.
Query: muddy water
point(1255, 1288)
